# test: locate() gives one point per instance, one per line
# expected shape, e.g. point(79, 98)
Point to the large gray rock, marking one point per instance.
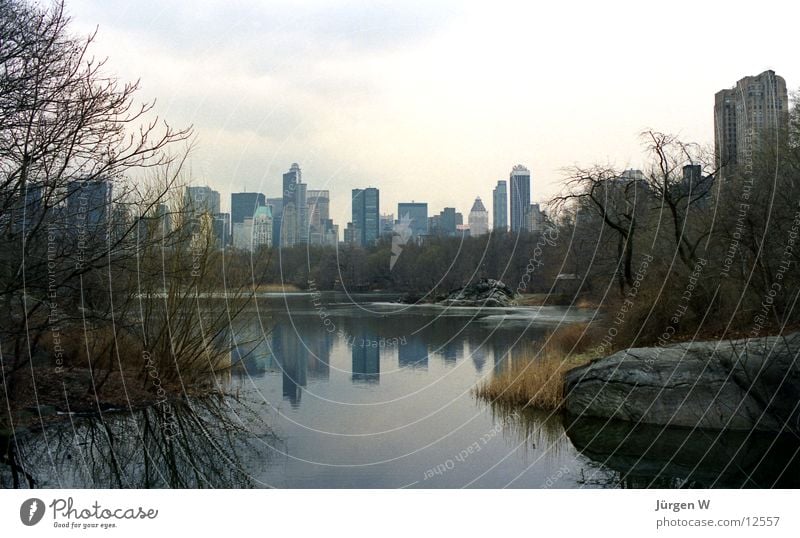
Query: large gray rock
point(751, 384)
point(485, 292)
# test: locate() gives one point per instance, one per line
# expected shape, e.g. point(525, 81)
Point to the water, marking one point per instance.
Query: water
point(379, 395)
point(356, 392)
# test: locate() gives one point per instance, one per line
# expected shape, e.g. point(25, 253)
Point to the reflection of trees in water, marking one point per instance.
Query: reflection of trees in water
point(533, 428)
point(213, 442)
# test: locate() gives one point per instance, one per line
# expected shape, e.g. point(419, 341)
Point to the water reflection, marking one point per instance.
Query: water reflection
point(299, 344)
point(208, 443)
point(413, 353)
point(377, 400)
point(366, 353)
point(647, 456)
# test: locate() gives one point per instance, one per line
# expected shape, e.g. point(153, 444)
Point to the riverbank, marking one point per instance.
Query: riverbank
point(536, 377)
point(745, 384)
point(44, 395)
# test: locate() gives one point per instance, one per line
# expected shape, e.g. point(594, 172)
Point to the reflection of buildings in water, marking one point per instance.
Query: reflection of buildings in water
point(287, 352)
point(501, 352)
point(319, 354)
point(366, 358)
point(452, 350)
point(414, 354)
point(251, 356)
point(477, 351)
point(292, 358)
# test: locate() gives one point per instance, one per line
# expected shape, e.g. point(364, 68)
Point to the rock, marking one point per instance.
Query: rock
point(486, 292)
point(751, 384)
point(411, 298)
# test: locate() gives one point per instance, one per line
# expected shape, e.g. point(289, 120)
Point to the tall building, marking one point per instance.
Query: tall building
point(416, 214)
point(156, 224)
point(318, 208)
point(243, 234)
point(262, 227)
point(319, 203)
point(89, 205)
point(744, 114)
point(26, 209)
point(302, 214)
point(199, 200)
point(535, 218)
point(201, 204)
point(352, 235)
point(244, 204)
point(520, 184)
point(330, 236)
point(447, 221)
point(500, 207)
point(366, 216)
point(444, 224)
point(294, 216)
point(478, 219)
point(276, 206)
point(222, 229)
point(386, 224)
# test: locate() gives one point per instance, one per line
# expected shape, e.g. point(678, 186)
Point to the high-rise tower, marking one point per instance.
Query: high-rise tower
point(744, 114)
point(520, 183)
point(500, 207)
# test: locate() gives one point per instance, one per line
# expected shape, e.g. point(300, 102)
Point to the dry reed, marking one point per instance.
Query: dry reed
point(536, 378)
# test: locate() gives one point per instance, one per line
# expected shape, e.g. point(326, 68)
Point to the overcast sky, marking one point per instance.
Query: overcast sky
point(431, 101)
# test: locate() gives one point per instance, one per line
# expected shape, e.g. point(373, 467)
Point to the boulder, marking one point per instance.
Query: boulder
point(750, 384)
point(485, 292)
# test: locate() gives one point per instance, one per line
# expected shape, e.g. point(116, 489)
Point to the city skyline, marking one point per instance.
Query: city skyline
point(424, 99)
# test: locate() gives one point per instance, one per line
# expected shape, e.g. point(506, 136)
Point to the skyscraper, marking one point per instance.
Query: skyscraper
point(387, 224)
point(222, 229)
point(520, 183)
point(244, 205)
point(500, 207)
point(294, 218)
point(535, 218)
point(302, 214)
point(276, 205)
point(243, 234)
point(200, 200)
point(416, 214)
point(318, 204)
point(262, 227)
point(448, 222)
point(366, 216)
point(89, 204)
point(478, 219)
point(744, 114)
point(26, 209)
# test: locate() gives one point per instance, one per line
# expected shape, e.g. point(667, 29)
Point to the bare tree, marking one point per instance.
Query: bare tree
point(680, 180)
point(618, 200)
point(74, 150)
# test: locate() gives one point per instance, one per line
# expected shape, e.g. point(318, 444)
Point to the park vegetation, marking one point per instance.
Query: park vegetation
point(99, 297)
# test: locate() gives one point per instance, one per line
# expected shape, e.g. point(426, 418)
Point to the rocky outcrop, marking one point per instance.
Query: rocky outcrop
point(751, 384)
point(485, 292)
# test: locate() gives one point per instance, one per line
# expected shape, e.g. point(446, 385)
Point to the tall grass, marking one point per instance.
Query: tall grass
point(536, 379)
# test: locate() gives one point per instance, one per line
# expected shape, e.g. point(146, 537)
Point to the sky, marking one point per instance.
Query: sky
point(431, 101)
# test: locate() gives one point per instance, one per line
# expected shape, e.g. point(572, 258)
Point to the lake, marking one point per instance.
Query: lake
point(341, 391)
